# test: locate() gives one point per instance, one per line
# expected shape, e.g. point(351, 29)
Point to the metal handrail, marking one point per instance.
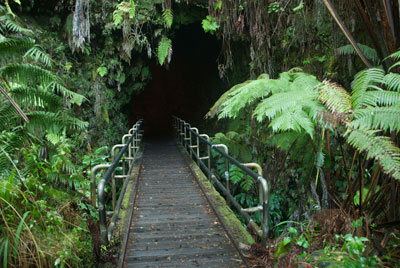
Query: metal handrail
point(182, 128)
point(105, 231)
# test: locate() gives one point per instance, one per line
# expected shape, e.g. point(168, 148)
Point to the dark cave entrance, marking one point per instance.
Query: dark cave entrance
point(188, 88)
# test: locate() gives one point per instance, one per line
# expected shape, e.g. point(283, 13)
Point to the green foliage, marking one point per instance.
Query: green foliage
point(168, 17)
point(164, 49)
point(369, 52)
point(210, 25)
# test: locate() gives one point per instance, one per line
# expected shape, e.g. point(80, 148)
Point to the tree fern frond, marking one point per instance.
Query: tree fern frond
point(8, 25)
point(47, 120)
point(363, 81)
point(303, 81)
point(279, 102)
point(392, 81)
point(245, 95)
point(382, 97)
point(394, 66)
point(334, 97)
point(385, 118)
point(36, 97)
point(293, 119)
point(15, 46)
point(58, 87)
point(395, 56)
point(38, 55)
point(369, 52)
point(380, 148)
point(168, 17)
point(163, 48)
point(25, 73)
point(216, 108)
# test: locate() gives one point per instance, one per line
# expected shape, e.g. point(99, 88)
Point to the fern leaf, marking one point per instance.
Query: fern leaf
point(216, 108)
point(243, 96)
point(380, 148)
point(48, 120)
point(38, 55)
point(392, 81)
point(369, 52)
point(385, 118)
point(36, 97)
point(14, 47)
point(163, 48)
point(334, 97)
point(363, 81)
point(168, 17)
point(382, 98)
point(293, 119)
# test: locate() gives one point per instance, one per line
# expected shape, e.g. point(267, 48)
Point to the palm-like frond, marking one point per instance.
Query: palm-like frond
point(380, 148)
point(334, 97)
point(364, 80)
point(38, 55)
point(277, 103)
point(385, 118)
point(243, 96)
point(294, 119)
point(47, 120)
point(369, 52)
point(382, 98)
point(392, 81)
point(11, 47)
point(36, 97)
point(217, 107)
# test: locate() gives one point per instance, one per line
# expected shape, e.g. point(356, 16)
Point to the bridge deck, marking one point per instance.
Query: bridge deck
point(173, 224)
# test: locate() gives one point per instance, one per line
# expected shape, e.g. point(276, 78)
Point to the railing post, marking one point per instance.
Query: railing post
point(226, 164)
point(263, 193)
point(95, 169)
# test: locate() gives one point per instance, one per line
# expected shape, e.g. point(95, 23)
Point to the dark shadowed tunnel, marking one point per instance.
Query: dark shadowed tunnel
point(188, 88)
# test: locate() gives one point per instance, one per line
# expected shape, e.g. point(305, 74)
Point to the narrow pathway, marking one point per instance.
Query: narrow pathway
point(173, 224)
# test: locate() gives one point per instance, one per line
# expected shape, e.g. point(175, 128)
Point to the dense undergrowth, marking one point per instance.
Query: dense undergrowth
point(326, 134)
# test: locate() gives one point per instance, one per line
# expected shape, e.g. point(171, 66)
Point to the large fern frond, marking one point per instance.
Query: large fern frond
point(244, 95)
point(163, 49)
point(15, 47)
point(385, 118)
point(168, 17)
point(382, 98)
point(369, 52)
point(380, 148)
point(392, 81)
point(294, 119)
point(334, 97)
point(36, 97)
point(47, 120)
point(364, 80)
point(38, 55)
point(277, 103)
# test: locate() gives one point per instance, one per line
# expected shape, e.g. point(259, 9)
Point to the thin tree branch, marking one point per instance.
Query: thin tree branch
point(346, 32)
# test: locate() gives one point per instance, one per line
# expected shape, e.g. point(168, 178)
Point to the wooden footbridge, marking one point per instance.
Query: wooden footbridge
point(171, 215)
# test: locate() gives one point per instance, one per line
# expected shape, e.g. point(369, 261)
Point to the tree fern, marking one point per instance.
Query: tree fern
point(38, 55)
point(380, 148)
point(334, 97)
point(369, 52)
point(382, 98)
point(36, 96)
point(392, 81)
point(244, 95)
point(385, 118)
point(15, 47)
point(364, 80)
point(163, 49)
point(293, 118)
point(168, 17)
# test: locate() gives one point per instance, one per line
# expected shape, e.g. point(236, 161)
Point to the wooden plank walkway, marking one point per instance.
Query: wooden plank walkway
point(173, 225)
